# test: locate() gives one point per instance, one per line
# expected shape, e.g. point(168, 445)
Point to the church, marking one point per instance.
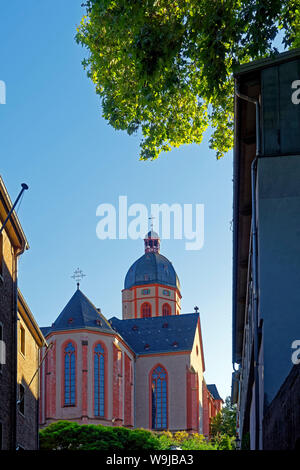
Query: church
point(142, 371)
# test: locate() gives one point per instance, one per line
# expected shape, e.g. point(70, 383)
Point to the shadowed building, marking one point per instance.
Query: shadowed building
point(266, 241)
point(21, 340)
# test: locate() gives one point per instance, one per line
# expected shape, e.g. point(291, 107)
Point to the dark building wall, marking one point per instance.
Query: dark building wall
point(27, 423)
point(7, 375)
point(281, 425)
point(279, 265)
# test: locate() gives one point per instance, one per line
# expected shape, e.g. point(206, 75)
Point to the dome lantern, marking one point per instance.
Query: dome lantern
point(152, 242)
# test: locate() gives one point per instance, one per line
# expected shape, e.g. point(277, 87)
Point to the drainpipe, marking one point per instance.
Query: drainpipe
point(254, 261)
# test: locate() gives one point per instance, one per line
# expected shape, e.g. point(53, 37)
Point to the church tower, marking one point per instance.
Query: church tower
point(152, 287)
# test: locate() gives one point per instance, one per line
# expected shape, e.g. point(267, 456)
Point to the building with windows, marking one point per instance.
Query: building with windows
point(212, 405)
point(266, 253)
point(20, 340)
point(144, 370)
point(30, 340)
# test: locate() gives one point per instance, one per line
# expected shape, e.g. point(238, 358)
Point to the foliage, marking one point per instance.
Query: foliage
point(245, 445)
point(165, 68)
point(65, 435)
point(224, 442)
point(225, 421)
point(184, 440)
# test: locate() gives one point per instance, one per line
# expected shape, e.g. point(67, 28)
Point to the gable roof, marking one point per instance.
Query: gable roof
point(158, 334)
point(79, 313)
point(212, 388)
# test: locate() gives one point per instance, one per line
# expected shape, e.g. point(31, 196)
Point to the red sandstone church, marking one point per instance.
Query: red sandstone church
point(144, 371)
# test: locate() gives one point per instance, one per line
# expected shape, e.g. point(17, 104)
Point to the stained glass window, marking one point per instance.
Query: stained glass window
point(70, 374)
point(166, 310)
point(159, 398)
point(146, 310)
point(99, 378)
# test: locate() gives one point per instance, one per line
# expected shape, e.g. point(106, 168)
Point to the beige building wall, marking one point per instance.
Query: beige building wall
point(176, 365)
point(29, 342)
point(196, 361)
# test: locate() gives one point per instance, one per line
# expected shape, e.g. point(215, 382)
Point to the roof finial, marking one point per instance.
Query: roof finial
point(196, 309)
point(151, 223)
point(78, 276)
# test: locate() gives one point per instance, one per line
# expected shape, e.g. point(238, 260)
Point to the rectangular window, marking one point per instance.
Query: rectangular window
point(22, 340)
point(166, 292)
point(22, 399)
point(145, 291)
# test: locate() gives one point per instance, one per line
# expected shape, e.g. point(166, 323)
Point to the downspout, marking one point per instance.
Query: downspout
point(254, 261)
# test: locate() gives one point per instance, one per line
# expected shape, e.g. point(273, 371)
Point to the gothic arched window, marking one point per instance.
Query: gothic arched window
point(159, 398)
point(99, 380)
point(146, 310)
point(166, 310)
point(69, 374)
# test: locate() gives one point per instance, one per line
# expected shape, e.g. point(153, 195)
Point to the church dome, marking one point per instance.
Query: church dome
point(151, 268)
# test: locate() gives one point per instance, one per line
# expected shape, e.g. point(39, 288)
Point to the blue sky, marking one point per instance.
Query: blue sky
point(54, 138)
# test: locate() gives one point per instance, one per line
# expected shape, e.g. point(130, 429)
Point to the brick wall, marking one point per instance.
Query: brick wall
point(281, 424)
point(7, 382)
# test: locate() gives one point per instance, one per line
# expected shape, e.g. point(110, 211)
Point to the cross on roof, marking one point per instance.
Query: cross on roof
point(78, 276)
point(196, 309)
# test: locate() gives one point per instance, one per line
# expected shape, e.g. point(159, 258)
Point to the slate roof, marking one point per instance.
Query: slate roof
point(158, 334)
point(79, 313)
point(213, 391)
point(151, 268)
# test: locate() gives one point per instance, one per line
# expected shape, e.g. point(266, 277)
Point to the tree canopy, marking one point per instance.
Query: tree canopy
point(224, 423)
point(165, 68)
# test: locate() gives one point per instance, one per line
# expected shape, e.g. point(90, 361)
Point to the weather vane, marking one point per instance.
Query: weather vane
point(151, 224)
point(78, 276)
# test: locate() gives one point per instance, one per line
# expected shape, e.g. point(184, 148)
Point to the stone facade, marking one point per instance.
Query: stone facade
point(118, 366)
point(16, 430)
point(30, 340)
point(282, 417)
point(152, 367)
point(12, 244)
point(7, 370)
